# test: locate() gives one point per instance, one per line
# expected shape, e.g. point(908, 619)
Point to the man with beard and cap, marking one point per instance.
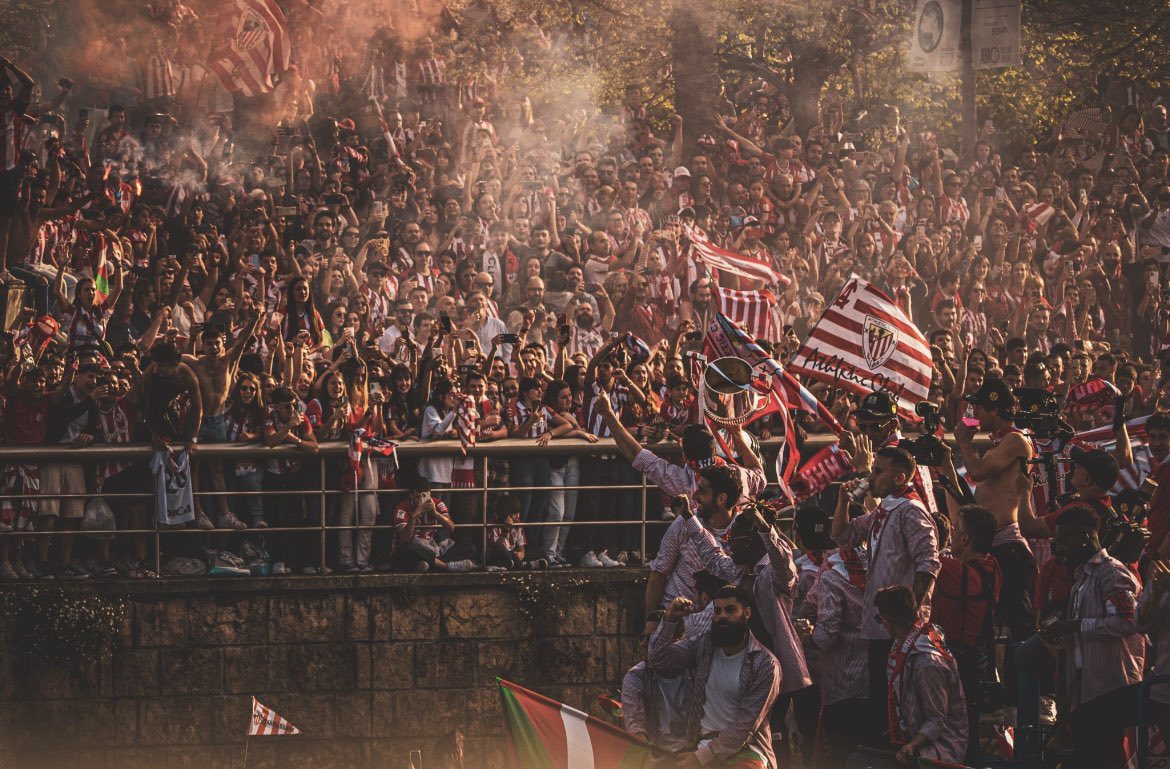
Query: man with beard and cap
point(761, 564)
point(1103, 650)
point(925, 706)
point(903, 550)
point(734, 682)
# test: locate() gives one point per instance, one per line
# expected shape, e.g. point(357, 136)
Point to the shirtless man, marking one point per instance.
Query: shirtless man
point(215, 371)
point(1002, 487)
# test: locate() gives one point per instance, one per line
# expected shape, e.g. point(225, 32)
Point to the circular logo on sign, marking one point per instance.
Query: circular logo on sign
point(930, 27)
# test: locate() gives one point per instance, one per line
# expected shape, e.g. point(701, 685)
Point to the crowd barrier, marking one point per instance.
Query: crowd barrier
point(337, 451)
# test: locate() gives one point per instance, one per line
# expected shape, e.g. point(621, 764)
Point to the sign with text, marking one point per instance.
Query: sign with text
point(995, 34)
point(934, 36)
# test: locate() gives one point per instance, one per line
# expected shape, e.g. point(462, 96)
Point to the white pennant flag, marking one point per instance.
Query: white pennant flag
point(266, 721)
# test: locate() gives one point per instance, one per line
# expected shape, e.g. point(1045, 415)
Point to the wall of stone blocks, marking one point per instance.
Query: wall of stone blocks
point(369, 668)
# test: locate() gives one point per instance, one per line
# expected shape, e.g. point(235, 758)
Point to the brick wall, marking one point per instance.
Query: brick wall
point(369, 668)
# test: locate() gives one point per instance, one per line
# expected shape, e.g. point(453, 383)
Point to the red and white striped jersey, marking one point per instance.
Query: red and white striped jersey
point(115, 426)
point(159, 78)
point(518, 413)
point(13, 129)
point(618, 395)
point(952, 209)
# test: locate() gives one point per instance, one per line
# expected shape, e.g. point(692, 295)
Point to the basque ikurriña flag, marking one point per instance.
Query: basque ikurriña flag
point(546, 734)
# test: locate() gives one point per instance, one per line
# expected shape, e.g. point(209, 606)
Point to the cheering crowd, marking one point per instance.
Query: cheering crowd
point(396, 245)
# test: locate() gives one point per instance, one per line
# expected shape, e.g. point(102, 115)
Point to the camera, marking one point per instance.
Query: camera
point(926, 449)
point(1039, 413)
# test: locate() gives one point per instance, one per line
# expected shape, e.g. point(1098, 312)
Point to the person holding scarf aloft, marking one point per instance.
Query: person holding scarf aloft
point(925, 702)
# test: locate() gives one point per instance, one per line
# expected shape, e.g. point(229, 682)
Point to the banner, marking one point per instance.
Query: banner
point(735, 263)
point(266, 722)
point(546, 734)
point(756, 311)
point(934, 36)
point(822, 468)
point(864, 342)
point(995, 34)
point(253, 45)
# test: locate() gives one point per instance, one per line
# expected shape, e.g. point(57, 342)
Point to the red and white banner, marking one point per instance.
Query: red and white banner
point(466, 421)
point(253, 45)
point(1038, 214)
point(755, 311)
point(864, 342)
point(822, 468)
point(729, 261)
point(267, 722)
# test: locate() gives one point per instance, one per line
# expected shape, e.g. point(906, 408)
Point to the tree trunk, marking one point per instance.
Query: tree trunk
point(804, 97)
point(696, 71)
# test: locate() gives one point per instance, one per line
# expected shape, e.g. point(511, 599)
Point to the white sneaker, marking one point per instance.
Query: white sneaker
point(623, 558)
point(605, 560)
point(668, 514)
point(589, 561)
point(1047, 711)
point(497, 568)
point(204, 522)
point(7, 572)
point(465, 565)
point(280, 570)
point(229, 521)
point(21, 571)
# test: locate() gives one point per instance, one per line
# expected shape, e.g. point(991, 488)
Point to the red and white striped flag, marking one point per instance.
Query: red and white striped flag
point(756, 311)
point(1038, 214)
point(254, 45)
point(466, 421)
point(267, 722)
point(729, 261)
point(864, 342)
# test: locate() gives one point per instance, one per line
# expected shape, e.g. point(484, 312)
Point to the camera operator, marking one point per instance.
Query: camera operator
point(877, 419)
point(1001, 488)
point(1094, 473)
point(1158, 439)
point(903, 550)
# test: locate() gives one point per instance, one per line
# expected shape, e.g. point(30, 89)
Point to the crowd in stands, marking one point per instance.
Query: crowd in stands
point(381, 249)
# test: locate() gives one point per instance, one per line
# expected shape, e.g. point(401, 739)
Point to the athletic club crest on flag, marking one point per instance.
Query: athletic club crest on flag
point(878, 341)
point(251, 30)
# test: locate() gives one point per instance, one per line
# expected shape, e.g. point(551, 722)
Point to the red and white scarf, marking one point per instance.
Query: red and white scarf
point(923, 638)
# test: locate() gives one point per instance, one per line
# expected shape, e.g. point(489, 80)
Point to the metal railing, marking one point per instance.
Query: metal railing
point(335, 452)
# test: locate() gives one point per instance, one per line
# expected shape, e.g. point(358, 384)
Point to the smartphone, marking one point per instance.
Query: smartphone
point(334, 200)
point(920, 230)
point(65, 83)
point(977, 241)
point(989, 192)
point(445, 321)
point(254, 260)
point(970, 422)
point(563, 334)
point(510, 339)
point(693, 336)
point(377, 210)
point(424, 496)
point(286, 211)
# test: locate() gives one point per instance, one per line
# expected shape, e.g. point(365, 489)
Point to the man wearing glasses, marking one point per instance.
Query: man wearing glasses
point(399, 327)
point(877, 419)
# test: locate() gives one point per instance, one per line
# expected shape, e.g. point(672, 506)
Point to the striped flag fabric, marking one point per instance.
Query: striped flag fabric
point(1037, 214)
point(103, 269)
point(864, 342)
point(466, 421)
point(266, 722)
point(756, 311)
point(254, 45)
point(1103, 438)
point(546, 734)
point(729, 261)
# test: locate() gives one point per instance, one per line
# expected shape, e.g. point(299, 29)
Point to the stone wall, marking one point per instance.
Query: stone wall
point(369, 668)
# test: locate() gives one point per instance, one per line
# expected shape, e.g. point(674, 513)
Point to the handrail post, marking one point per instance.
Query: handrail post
point(157, 540)
point(323, 516)
point(645, 556)
point(484, 513)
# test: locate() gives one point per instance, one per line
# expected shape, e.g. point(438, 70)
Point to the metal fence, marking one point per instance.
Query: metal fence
point(336, 452)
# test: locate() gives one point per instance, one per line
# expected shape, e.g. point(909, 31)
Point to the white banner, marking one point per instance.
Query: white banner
point(934, 36)
point(995, 34)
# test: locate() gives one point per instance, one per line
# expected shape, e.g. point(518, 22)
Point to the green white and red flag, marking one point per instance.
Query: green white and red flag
point(546, 734)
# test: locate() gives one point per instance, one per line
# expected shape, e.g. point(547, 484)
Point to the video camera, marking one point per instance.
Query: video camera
point(927, 449)
point(1126, 536)
point(1039, 412)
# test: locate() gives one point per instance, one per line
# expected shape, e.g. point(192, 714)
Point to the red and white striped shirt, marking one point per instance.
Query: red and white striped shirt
point(519, 414)
point(160, 78)
point(619, 394)
point(13, 129)
point(115, 426)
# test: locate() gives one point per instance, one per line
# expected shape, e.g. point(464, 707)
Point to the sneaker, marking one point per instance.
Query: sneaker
point(229, 521)
point(668, 514)
point(556, 562)
point(40, 569)
point(604, 559)
point(309, 570)
point(350, 568)
point(106, 569)
point(465, 565)
point(539, 563)
point(623, 558)
point(589, 561)
point(204, 522)
point(139, 570)
point(21, 570)
point(259, 523)
point(73, 572)
point(280, 570)
point(7, 572)
point(1047, 711)
point(366, 568)
point(5, 527)
point(497, 568)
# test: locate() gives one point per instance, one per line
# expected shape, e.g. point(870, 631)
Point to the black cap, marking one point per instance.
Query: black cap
point(1100, 465)
point(878, 404)
point(993, 394)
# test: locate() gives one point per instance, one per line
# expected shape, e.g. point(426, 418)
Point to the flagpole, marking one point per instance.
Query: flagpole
point(247, 742)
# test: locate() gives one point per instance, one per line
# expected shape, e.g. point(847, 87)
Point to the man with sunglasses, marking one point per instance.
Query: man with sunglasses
point(877, 419)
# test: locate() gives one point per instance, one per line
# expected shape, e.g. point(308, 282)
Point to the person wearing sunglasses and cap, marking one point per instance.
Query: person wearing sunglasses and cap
point(877, 420)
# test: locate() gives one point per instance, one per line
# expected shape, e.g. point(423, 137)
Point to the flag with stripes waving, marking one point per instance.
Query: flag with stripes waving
point(864, 342)
point(267, 722)
point(732, 262)
point(546, 734)
point(253, 45)
point(756, 311)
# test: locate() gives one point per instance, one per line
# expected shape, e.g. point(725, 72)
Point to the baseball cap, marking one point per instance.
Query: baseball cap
point(814, 296)
point(682, 171)
point(993, 394)
point(1100, 465)
point(878, 404)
